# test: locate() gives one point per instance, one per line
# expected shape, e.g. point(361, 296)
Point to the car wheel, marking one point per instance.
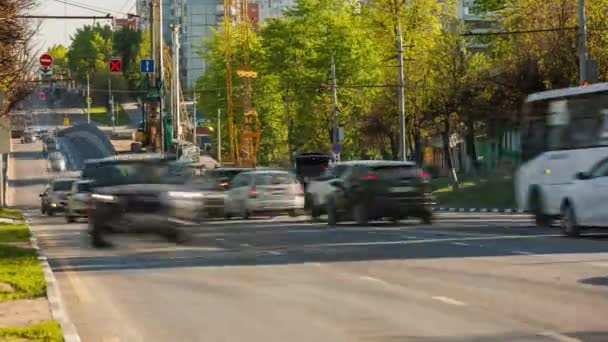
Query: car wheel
point(70, 218)
point(43, 209)
point(360, 214)
point(96, 231)
point(245, 214)
point(568, 224)
point(332, 215)
point(293, 213)
point(427, 218)
point(536, 206)
point(50, 212)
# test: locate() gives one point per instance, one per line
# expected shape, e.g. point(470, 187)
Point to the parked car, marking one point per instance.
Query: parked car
point(264, 192)
point(138, 196)
point(319, 189)
point(78, 201)
point(584, 204)
point(54, 198)
point(381, 189)
point(56, 162)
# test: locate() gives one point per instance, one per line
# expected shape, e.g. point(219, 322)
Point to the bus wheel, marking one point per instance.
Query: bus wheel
point(536, 206)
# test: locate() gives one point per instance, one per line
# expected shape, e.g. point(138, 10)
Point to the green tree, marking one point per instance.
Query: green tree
point(60, 58)
point(90, 50)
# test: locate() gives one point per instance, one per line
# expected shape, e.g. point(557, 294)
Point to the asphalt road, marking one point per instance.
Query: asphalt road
point(469, 277)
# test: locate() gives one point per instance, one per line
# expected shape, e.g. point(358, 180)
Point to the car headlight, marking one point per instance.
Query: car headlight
point(103, 198)
point(185, 195)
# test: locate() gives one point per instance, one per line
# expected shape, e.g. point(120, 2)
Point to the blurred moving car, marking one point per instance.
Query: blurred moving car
point(319, 189)
point(264, 192)
point(584, 202)
point(138, 196)
point(381, 189)
point(50, 145)
point(223, 176)
point(78, 201)
point(28, 137)
point(310, 165)
point(56, 162)
point(54, 198)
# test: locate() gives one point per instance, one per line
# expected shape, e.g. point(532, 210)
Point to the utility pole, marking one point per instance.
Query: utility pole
point(88, 100)
point(582, 43)
point(161, 77)
point(194, 121)
point(219, 136)
point(175, 81)
point(334, 105)
point(111, 100)
point(399, 46)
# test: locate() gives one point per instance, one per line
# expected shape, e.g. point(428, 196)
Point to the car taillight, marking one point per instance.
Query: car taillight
point(370, 176)
point(253, 192)
point(424, 174)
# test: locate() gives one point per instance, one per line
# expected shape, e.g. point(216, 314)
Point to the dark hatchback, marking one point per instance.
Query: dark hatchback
point(310, 165)
point(381, 189)
point(222, 176)
point(138, 196)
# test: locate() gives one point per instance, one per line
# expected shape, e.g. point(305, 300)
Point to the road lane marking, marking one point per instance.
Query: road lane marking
point(420, 241)
point(274, 252)
point(373, 280)
point(523, 252)
point(245, 245)
point(460, 244)
point(450, 301)
point(81, 290)
point(219, 239)
point(558, 337)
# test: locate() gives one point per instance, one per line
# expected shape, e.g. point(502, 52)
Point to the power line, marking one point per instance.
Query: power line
point(90, 7)
point(62, 17)
point(504, 33)
point(80, 6)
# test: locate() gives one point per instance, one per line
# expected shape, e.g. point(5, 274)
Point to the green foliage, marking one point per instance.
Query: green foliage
point(14, 232)
point(60, 58)
point(20, 268)
point(47, 331)
point(90, 50)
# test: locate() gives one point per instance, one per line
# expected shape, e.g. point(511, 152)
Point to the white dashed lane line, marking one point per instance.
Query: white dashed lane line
point(460, 244)
point(448, 300)
point(522, 252)
point(274, 253)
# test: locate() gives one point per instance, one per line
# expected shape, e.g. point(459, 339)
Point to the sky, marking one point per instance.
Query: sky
point(58, 31)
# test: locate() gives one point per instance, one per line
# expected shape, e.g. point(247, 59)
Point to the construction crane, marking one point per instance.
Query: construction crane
point(244, 140)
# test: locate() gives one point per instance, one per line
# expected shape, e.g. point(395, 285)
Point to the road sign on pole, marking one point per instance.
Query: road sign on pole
point(45, 60)
point(146, 66)
point(115, 65)
point(66, 121)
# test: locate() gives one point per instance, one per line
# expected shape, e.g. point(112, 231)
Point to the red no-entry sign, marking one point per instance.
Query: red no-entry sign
point(46, 60)
point(115, 65)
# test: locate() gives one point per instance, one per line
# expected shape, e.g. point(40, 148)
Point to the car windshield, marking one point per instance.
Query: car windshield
point(63, 185)
point(274, 178)
point(112, 174)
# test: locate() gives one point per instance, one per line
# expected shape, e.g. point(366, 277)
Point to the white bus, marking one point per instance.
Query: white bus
point(565, 131)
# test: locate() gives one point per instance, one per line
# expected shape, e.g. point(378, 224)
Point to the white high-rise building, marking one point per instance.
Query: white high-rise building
point(273, 8)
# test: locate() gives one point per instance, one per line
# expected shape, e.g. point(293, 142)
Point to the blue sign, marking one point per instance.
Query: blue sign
point(146, 66)
point(336, 148)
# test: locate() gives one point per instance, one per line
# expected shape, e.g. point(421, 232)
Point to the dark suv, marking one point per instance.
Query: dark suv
point(381, 189)
point(138, 196)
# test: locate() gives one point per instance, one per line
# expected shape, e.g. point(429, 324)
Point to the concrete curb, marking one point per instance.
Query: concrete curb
point(53, 294)
point(479, 210)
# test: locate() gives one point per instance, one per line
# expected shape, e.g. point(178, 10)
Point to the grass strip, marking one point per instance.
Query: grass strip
point(47, 331)
point(20, 268)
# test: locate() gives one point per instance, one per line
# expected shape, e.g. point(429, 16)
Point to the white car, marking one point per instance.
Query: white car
point(319, 189)
point(264, 192)
point(78, 201)
point(585, 202)
point(56, 162)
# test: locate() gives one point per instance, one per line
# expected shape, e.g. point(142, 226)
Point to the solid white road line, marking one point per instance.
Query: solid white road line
point(274, 252)
point(558, 337)
point(450, 301)
point(460, 244)
point(374, 280)
point(523, 252)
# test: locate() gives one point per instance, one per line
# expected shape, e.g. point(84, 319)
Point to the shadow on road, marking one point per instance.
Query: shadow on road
point(25, 182)
point(27, 155)
point(587, 336)
point(223, 244)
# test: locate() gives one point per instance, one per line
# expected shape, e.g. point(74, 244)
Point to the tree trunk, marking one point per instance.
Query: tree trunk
point(418, 153)
point(394, 147)
point(446, 151)
point(470, 142)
